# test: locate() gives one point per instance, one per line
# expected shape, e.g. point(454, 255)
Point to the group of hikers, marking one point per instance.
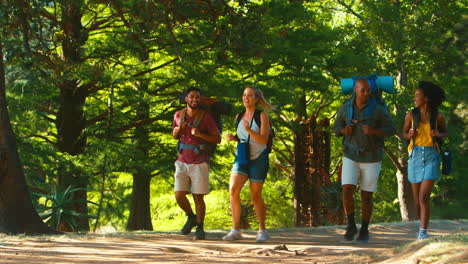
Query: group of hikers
point(362, 123)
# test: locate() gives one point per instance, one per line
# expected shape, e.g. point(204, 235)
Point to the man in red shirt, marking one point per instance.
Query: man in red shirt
point(192, 166)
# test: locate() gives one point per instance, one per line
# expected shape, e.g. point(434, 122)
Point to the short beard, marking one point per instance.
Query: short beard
point(192, 107)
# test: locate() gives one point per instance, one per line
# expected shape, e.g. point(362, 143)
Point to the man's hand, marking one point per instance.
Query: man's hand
point(347, 130)
point(195, 131)
point(434, 132)
point(175, 132)
point(231, 137)
point(367, 130)
point(178, 130)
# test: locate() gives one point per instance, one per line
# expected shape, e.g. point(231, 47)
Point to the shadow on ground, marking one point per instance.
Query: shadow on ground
point(296, 245)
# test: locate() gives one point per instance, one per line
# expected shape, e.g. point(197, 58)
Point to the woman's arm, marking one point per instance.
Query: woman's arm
point(232, 137)
point(261, 137)
point(441, 128)
point(408, 131)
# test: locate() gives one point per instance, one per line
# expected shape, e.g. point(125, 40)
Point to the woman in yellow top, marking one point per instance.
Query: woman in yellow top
point(424, 159)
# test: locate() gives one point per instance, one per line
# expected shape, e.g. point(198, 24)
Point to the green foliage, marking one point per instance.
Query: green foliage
point(135, 63)
point(57, 208)
point(332, 196)
point(115, 197)
point(278, 200)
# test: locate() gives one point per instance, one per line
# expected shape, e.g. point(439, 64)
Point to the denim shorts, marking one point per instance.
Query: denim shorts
point(256, 169)
point(423, 164)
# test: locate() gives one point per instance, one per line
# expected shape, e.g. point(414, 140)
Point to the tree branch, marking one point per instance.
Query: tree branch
point(164, 87)
point(45, 139)
point(154, 69)
point(394, 159)
point(351, 10)
point(139, 123)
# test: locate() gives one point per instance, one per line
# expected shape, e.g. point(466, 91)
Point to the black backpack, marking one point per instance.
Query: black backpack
point(258, 120)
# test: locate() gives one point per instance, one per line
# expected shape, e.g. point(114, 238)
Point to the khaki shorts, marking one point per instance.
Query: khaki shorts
point(191, 175)
point(366, 173)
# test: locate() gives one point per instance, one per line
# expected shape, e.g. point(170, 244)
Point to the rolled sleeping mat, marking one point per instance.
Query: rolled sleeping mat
point(347, 85)
point(386, 84)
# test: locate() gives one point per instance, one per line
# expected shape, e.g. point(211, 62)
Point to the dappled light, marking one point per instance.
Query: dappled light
point(295, 245)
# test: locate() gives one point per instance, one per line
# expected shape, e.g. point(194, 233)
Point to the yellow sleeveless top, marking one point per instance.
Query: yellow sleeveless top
point(423, 138)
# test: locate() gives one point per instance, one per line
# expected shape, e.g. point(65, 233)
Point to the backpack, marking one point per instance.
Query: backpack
point(377, 85)
point(213, 106)
point(446, 156)
point(207, 105)
point(417, 117)
point(258, 120)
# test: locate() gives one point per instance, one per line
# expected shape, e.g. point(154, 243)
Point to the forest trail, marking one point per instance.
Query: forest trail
point(292, 245)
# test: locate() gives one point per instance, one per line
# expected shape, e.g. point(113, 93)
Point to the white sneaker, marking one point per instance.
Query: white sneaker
point(234, 234)
point(262, 236)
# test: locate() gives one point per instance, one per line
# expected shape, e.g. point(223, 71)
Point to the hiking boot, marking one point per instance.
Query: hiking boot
point(191, 223)
point(363, 236)
point(199, 234)
point(422, 234)
point(234, 234)
point(351, 230)
point(262, 236)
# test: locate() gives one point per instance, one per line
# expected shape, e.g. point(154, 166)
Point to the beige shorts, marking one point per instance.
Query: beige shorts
point(366, 173)
point(192, 175)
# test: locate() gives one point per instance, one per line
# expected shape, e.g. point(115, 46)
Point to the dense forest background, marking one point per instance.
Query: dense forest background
point(92, 87)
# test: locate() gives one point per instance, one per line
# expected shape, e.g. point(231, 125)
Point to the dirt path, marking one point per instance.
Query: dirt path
point(298, 245)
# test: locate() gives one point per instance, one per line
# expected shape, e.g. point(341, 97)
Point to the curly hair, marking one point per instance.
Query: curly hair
point(435, 94)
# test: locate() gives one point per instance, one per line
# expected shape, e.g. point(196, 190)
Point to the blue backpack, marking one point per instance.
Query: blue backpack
point(377, 85)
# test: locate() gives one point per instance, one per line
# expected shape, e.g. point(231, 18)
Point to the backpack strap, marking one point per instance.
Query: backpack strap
point(434, 125)
point(371, 105)
point(196, 148)
point(416, 114)
point(198, 118)
point(183, 112)
point(257, 117)
point(239, 118)
point(433, 119)
point(258, 120)
point(349, 105)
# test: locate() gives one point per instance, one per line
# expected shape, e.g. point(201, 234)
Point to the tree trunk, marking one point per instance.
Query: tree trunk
point(71, 120)
point(405, 194)
point(299, 176)
point(140, 215)
point(312, 164)
point(314, 175)
point(17, 213)
point(70, 124)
